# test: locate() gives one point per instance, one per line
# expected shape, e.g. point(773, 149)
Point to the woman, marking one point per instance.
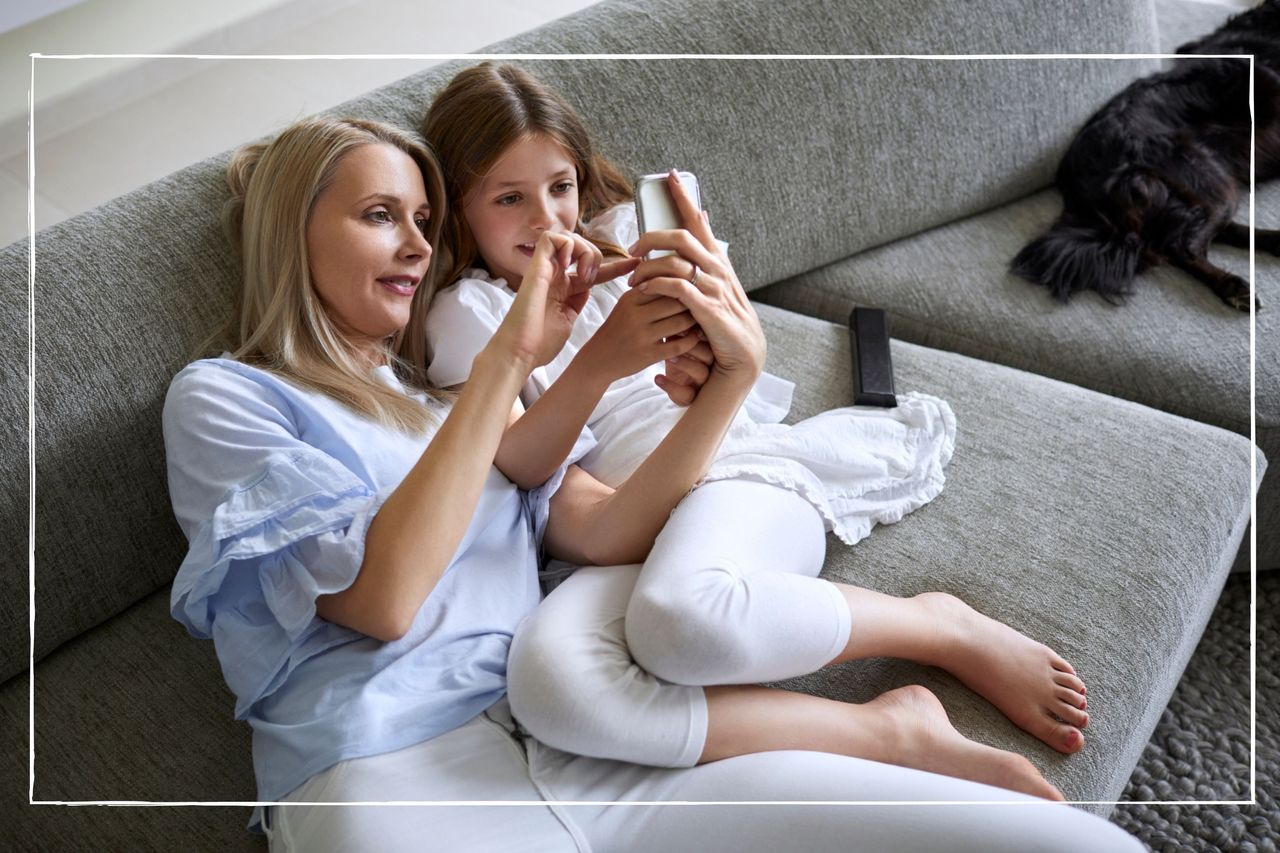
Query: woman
point(362, 567)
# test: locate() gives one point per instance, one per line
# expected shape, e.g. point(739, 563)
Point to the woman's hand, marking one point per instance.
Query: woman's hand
point(550, 297)
point(642, 329)
point(700, 276)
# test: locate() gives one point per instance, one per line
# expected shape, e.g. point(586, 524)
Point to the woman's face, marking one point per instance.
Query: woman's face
point(366, 243)
point(532, 187)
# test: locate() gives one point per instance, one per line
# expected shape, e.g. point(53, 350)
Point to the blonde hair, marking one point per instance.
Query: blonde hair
point(476, 117)
point(280, 324)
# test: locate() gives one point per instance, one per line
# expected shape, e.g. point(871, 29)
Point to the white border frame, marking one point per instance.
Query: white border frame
point(31, 232)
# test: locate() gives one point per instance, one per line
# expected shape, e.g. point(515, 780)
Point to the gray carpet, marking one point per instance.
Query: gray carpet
point(1200, 750)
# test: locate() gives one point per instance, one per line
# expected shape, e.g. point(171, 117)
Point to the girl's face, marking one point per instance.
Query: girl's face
point(532, 187)
point(366, 243)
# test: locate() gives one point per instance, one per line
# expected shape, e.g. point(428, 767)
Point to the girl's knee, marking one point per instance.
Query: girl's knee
point(683, 639)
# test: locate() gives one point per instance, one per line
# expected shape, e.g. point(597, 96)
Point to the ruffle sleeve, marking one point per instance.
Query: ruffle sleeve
point(255, 569)
point(272, 521)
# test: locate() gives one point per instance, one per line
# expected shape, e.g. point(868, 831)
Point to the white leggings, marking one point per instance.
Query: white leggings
point(484, 760)
point(730, 592)
point(729, 595)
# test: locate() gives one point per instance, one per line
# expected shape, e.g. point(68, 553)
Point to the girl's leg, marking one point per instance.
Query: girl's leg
point(730, 592)
point(729, 595)
point(1029, 682)
point(897, 816)
point(573, 685)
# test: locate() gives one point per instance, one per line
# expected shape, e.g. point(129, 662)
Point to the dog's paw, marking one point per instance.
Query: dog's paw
point(1241, 299)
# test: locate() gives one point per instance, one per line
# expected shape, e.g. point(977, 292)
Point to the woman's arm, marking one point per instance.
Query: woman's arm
point(416, 532)
point(418, 528)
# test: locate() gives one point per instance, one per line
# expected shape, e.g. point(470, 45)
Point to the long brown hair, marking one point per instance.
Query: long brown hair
point(280, 324)
point(476, 117)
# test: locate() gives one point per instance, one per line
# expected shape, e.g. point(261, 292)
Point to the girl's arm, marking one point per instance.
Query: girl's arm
point(591, 524)
point(417, 530)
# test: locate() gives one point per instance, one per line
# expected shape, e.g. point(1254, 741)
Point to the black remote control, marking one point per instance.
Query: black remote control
point(872, 367)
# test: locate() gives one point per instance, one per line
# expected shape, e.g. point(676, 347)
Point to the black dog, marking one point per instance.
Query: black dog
point(1156, 175)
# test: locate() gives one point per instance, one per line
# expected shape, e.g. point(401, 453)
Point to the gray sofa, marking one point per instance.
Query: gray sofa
point(1101, 485)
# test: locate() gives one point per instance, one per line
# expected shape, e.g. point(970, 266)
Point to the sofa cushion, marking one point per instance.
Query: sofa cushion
point(1061, 515)
point(1099, 526)
point(1174, 346)
point(131, 710)
point(1181, 21)
point(804, 161)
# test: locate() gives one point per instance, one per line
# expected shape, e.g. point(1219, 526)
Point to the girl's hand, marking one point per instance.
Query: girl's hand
point(641, 330)
point(550, 297)
point(687, 373)
point(701, 277)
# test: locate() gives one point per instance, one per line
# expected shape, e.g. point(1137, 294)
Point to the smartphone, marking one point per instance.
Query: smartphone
point(656, 210)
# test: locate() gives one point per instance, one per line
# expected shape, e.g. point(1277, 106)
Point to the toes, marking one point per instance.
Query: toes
point(1060, 665)
point(1066, 679)
point(1070, 697)
point(1070, 714)
point(1052, 728)
point(1066, 738)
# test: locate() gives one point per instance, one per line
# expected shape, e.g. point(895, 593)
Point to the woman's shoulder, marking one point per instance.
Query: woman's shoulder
point(223, 374)
point(223, 388)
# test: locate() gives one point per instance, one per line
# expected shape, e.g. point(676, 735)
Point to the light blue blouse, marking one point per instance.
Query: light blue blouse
point(275, 488)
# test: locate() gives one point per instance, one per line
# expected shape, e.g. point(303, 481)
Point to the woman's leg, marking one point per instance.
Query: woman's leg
point(478, 761)
point(800, 787)
point(573, 685)
point(729, 595)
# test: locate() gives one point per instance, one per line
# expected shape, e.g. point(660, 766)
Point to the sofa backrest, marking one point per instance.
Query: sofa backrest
point(803, 162)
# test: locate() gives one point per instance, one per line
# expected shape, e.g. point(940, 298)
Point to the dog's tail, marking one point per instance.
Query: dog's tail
point(1077, 255)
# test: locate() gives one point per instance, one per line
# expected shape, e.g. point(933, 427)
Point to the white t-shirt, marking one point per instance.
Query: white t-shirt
point(858, 466)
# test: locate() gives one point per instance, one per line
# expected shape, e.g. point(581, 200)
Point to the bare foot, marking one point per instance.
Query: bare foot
point(923, 738)
point(1029, 682)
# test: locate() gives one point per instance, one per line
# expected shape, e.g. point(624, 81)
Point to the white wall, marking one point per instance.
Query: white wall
point(123, 26)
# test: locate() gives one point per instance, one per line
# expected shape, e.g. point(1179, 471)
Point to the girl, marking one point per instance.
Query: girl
point(729, 594)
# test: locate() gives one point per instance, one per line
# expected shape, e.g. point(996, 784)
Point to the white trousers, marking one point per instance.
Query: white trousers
point(487, 760)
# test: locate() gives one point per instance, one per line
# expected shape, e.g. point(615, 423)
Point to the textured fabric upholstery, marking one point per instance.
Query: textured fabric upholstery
point(1099, 524)
point(1102, 524)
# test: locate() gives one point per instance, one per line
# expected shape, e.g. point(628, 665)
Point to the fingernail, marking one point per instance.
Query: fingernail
point(644, 287)
point(632, 248)
point(675, 176)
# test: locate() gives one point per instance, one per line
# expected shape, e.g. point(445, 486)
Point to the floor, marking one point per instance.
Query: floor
point(150, 122)
point(142, 125)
